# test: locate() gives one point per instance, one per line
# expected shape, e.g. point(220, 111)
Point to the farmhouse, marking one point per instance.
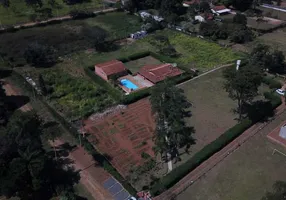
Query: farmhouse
point(189, 3)
point(220, 10)
point(157, 73)
point(114, 68)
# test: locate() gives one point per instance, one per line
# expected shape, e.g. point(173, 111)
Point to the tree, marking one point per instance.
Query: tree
point(129, 6)
point(171, 108)
point(96, 35)
point(240, 19)
point(40, 55)
point(204, 6)
point(242, 5)
point(34, 3)
point(241, 34)
point(5, 3)
point(170, 9)
point(277, 63)
point(52, 133)
point(279, 192)
point(42, 85)
point(3, 106)
point(267, 59)
point(242, 85)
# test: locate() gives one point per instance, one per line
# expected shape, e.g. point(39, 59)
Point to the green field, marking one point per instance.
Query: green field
point(194, 52)
point(246, 174)
point(66, 37)
point(74, 96)
point(18, 12)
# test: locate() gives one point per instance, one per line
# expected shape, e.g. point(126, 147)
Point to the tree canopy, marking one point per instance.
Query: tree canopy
point(171, 108)
point(40, 55)
point(242, 84)
point(96, 35)
point(278, 193)
point(268, 59)
point(240, 19)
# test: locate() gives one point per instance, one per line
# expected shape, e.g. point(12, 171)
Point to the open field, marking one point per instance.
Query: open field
point(18, 12)
point(209, 101)
point(123, 135)
point(246, 174)
point(135, 65)
point(66, 37)
point(194, 52)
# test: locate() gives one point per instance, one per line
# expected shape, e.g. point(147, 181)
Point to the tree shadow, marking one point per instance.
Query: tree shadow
point(5, 73)
point(15, 102)
point(259, 111)
point(101, 159)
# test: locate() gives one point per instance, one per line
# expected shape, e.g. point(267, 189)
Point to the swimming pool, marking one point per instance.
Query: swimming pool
point(128, 84)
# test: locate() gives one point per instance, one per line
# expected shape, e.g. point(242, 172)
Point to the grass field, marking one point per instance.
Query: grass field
point(209, 101)
point(135, 65)
point(246, 174)
point(18, 12)
point(66, 37)
point(194, 52)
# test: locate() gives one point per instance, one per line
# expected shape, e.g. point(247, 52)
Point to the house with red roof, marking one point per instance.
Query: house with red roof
point(189, 3)
point(113, 68)
point(157, 73)
point(220, 10)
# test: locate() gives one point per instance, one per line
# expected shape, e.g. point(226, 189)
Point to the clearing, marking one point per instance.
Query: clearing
point(247, 174)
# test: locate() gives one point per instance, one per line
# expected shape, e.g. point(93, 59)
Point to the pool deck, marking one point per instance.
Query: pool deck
point(138, 80)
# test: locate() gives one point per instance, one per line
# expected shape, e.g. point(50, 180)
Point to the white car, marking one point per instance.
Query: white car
point(281, 92)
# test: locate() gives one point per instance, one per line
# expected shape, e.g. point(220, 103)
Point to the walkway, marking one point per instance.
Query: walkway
point(215, 159)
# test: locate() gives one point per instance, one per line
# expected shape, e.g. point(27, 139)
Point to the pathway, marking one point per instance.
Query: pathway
point(215, 159)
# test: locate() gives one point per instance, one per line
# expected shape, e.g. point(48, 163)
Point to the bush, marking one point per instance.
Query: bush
point(215, 146)
point(135, 96)
point(81, 14)
point(273, 84)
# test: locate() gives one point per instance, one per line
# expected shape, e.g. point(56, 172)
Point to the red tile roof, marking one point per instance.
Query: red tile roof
point(192, 2)
point(217, 8)
point(157, 73)
point(112, 67)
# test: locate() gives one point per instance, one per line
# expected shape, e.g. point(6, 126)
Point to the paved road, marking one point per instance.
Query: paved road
point(215, 159)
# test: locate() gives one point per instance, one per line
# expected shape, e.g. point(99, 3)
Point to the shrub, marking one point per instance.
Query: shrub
point(273, 84)
point(81, 14)
point(139, 55)
point(135, 96)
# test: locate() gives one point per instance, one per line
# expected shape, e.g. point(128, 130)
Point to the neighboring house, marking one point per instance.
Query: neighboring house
point(144, 15)
point(157, 73)
point(220, 10)
point(200, 18)
point(204, 17)
point(107, 70)
point(189, 3)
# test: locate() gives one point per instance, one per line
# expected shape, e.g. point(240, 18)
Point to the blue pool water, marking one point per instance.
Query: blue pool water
point(128, 84)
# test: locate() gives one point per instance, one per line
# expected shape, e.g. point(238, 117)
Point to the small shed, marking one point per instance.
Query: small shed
point(110, 69)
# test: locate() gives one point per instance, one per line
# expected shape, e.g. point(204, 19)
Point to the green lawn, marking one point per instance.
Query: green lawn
point(199, 53)
point(19, 12)
point(246, 174)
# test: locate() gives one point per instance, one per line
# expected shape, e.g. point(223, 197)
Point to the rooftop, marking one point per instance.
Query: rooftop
point(111, 67)
point(157, 73)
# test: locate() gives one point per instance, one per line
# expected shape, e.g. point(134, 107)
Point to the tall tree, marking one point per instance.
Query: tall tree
point(242, 5)
point(171, 108)
point(34, 3)
point(42, 85)
point(5, 3)
point(242, 84)
point(279, 192)
point(240, 19)
point(170, 9)
point(96, 35)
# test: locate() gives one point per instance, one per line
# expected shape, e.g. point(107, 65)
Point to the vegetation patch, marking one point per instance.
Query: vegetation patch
point(75, 97)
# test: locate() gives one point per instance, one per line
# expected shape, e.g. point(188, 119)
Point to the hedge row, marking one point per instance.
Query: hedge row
point(134, 56)
point(273, 84)
point(215, 146)
point(73, 131)
point(116, 94)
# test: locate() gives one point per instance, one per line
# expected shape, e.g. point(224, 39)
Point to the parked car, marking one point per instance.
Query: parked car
point(281, 92)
